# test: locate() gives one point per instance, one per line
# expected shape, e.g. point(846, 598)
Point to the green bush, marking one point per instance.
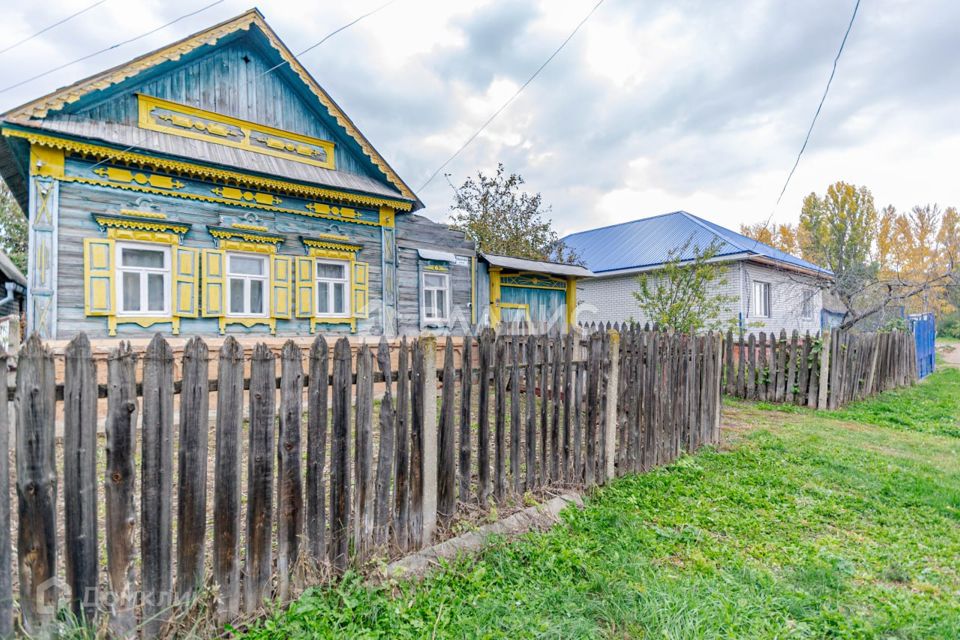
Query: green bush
point(949, 326)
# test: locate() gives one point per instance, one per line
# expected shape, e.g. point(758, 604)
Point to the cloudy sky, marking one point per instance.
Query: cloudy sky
point(654, 105)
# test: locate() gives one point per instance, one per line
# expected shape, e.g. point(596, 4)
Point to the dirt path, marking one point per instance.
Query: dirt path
point(950, 352)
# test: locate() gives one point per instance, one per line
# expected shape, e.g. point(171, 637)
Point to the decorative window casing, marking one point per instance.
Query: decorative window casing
point(435, 297)
point(761, 299)
point(248, 282)
point(317, 275)
point(143, 279)
point(123, 277)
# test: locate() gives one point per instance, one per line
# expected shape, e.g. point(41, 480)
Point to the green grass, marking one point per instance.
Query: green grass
point(932, 406)
point(802, 526)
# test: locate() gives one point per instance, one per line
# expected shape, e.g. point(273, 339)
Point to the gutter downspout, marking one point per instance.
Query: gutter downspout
point(12, 288)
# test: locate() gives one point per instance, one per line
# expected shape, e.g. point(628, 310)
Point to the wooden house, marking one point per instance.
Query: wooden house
point(213, 187)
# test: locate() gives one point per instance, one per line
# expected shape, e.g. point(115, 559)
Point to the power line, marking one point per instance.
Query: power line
point(110, 48)
point(816, 115)
point(329, 35)
point(275, 67)
point(55, 24)
point(513, 97)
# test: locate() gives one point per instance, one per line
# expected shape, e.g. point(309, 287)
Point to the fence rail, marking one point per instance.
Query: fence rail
point(320, 476)
point(829, 370)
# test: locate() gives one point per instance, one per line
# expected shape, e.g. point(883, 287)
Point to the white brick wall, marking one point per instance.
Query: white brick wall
point(611, 299)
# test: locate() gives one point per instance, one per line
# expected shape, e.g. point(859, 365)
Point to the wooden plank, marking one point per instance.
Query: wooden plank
point(803, 369)
point(543, 379)
point(446, 469)
point(731, 376)
point(556, 368)
point(609, 418)
point(156, 486)
point(119, 490)
point(568, 389)
point(781, 369)
point(289, 480)
point(515, 417)
point(257, 570)
point(466, 397)
point(752, 367)
point(6, 570)
point(416, 445)
point(486, 356)
point(79, 485)
point(317, 426)
point(226, 494)
point(497, 366)
point(593, 409)
point(386, 453)
point(363, 452)
point(741, 368)
point(401, 493)
point(192, 468)
point(36, 487)
point(530, 442)
point(340, 457)
point(813, 381)
point(791, 385)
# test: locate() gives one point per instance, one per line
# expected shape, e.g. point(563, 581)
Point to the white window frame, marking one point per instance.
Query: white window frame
point(807, 299)
point(758, 310)
point(247, 278)
point(446, 298)
point(347, 280)
point(166, 271)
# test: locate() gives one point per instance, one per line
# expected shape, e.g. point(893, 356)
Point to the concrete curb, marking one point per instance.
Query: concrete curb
point(417, 565)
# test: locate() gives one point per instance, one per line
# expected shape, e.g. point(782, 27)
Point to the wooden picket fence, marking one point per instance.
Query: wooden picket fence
point(333, 479)
point(824, 371)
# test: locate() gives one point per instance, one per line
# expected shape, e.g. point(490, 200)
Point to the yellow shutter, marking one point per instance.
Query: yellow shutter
point(306, 291)
point(185, 279)
point(281, 286)
point(98, 277)
point(361, 293)
point(214, 267)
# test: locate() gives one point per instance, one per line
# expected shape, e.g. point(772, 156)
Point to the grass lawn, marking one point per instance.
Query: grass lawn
point(802, 525)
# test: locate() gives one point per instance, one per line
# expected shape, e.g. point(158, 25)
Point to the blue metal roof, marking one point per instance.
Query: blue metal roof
point(648, 242)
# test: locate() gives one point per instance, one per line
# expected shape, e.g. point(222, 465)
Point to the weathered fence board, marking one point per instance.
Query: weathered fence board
point(257, 572)
point(289, 481)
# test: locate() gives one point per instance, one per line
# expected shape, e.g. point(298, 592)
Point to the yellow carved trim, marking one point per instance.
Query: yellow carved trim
point(208, 126)
point(137, 235)
point(204, 172)
point(154, 215)
point(226, 321)
point(436, 267)
point(45, 161)
point(58, 99)
point(322, 208)
point(144, 322)
point(332, 236)
point(119, 174)
point(249, 227)
point(165, 229)
point(571, 302)
point(387, 216)
point(314, 321)
point(334, 250)
point(233, 237)
point(232, 193)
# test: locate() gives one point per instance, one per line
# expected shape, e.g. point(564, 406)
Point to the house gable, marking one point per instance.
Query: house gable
point(236, 70)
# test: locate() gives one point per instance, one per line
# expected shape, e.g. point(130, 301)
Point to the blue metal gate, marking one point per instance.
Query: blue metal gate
point(925, 333)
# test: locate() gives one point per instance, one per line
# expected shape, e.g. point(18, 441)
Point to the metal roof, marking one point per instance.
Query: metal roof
point(10, 270)
point(553, 268)
point(648, 242)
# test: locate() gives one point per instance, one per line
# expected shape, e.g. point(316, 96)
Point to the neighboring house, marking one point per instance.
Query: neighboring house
point(213, 187)
point(13, 288)
point(770, 289)
point(512, 290)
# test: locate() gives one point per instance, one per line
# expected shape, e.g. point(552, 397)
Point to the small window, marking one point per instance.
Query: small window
point(435, 297)
point(333, 288)
point(761, 299)
point(247, 285)
point(143, 279)
point(806, 307)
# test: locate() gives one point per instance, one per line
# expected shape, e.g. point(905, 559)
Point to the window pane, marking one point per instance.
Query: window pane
point(155, 293)
point(131, 291)
point(142, 258)
point(339, 299)
point(236, 296)
point(434, 281)
point(323, 295)
point(333, 271)
point(256, 296)
point(246, 265)
point(428, 306)
point(441, 303)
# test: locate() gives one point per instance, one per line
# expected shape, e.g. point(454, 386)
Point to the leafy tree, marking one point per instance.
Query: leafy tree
point(683, 294)
point(13, 229)
point(838, 232)
point(503, 219)
point(785, 237)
